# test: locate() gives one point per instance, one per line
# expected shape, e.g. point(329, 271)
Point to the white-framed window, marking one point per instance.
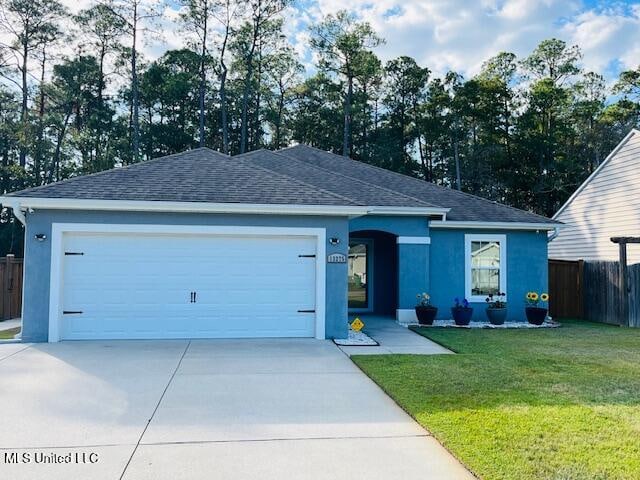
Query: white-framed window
point(485, 258)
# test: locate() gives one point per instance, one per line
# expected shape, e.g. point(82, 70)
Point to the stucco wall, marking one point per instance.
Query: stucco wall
point(38, 257)
point(526, 270)
point(404, 225)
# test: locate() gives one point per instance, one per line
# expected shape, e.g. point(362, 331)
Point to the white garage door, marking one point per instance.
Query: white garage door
point(187, 286)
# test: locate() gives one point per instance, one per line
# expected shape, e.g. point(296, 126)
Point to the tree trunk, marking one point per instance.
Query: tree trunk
point(55, 165)
point(279, 119)
point(201, 91)
point(223, 81)
point(457, 159)
point(135, 100)
point(203, 75)
point(38, 157)
point(24, 110)
point(346, 150)
point(101, 86)
point(430, 163)
point(419, 136)
point(223, 110)
point(506, 131)
point(423, 161)
point(247, 88)
point(256, 128)
point(365, 149)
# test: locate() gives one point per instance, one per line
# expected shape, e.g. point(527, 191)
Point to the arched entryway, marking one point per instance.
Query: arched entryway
point(373, 272)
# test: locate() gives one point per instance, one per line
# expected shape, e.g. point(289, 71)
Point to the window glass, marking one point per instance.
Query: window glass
point(358, 295)
point(485, 267)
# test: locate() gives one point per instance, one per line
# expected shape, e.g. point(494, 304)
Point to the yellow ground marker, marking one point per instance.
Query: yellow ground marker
point(357, 325)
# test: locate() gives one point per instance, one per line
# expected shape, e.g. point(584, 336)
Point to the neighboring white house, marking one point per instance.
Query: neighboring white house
point(607, 204)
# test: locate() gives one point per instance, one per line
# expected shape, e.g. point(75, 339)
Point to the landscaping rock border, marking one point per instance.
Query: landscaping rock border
point(521, 325)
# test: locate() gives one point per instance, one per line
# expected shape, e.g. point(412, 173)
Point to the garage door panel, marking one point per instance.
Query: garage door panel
point(138, 286)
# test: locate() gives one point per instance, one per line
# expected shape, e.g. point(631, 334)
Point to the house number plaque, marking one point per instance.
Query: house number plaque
point(336, 258)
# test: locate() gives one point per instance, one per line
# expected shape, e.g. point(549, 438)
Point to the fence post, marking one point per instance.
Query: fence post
point(580, 288)
point(6, 293)
point(622, 281)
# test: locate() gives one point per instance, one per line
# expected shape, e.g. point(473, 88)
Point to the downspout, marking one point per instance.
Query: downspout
point(556, 232)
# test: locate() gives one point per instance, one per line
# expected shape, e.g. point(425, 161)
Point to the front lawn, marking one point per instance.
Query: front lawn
point(538, 404)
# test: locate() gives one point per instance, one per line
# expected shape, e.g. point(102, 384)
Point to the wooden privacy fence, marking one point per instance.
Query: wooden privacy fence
point(11, 285)
point(591, 290)
point(566, 289)
point(634, 295)
point(602, 293)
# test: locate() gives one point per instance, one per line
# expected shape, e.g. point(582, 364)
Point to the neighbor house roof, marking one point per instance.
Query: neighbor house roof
point(299, 175)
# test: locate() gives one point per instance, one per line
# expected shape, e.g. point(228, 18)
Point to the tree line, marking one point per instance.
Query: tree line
point(523, 131)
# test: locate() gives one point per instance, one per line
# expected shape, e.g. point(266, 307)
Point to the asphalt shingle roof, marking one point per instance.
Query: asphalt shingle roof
point(200, 175)
point(299, 175)
point(353, 188)
point(464, 207)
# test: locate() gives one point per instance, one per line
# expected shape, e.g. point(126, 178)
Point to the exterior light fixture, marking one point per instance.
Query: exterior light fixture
point(334, 241)
point(41, 237)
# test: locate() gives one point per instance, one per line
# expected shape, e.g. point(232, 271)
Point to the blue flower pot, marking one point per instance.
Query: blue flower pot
point(426, 314)
point(536, 315)
point(462, 315)
point(497, 316)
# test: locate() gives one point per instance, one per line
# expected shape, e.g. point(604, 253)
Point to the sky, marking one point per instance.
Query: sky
point(461, 34)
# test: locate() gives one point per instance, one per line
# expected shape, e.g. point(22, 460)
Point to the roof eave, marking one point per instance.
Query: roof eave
point(23, 204)
point(411, 211)
point(475, 225)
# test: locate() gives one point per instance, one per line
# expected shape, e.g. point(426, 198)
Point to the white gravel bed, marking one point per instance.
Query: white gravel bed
point(452, 324)
point(356, 339)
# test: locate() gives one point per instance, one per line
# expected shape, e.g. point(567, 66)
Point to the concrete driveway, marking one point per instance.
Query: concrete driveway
point(228, 409)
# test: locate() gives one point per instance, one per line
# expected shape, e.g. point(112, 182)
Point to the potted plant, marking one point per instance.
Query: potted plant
point(496, 308)
point(461, 311)
point(425, 312)
point(536, 315)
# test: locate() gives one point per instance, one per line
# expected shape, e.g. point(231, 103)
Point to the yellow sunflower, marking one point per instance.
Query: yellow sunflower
point(544, 297)
point(528, 295)
point(534, 296)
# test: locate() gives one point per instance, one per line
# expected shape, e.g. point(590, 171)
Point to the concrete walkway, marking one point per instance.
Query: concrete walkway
point(393, 338)
point(206, 409)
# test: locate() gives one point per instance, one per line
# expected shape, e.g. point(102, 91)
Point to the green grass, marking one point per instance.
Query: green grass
point(9, 334)
point(526, 404)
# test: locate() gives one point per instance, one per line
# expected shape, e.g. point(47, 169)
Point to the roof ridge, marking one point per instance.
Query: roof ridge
point(459, 192)
point(114, 169)
point(265, 169)
point(319, 167)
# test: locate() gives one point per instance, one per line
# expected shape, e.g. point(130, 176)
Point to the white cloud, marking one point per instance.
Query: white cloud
point(606, 37)
point(462, 34)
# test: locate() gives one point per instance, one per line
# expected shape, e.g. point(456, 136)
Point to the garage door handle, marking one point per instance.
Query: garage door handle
point(193, 297)
point(306, 311)
point(71, 312)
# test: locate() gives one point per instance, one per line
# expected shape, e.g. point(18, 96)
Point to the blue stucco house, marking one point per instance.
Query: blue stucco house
point(264, 244)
